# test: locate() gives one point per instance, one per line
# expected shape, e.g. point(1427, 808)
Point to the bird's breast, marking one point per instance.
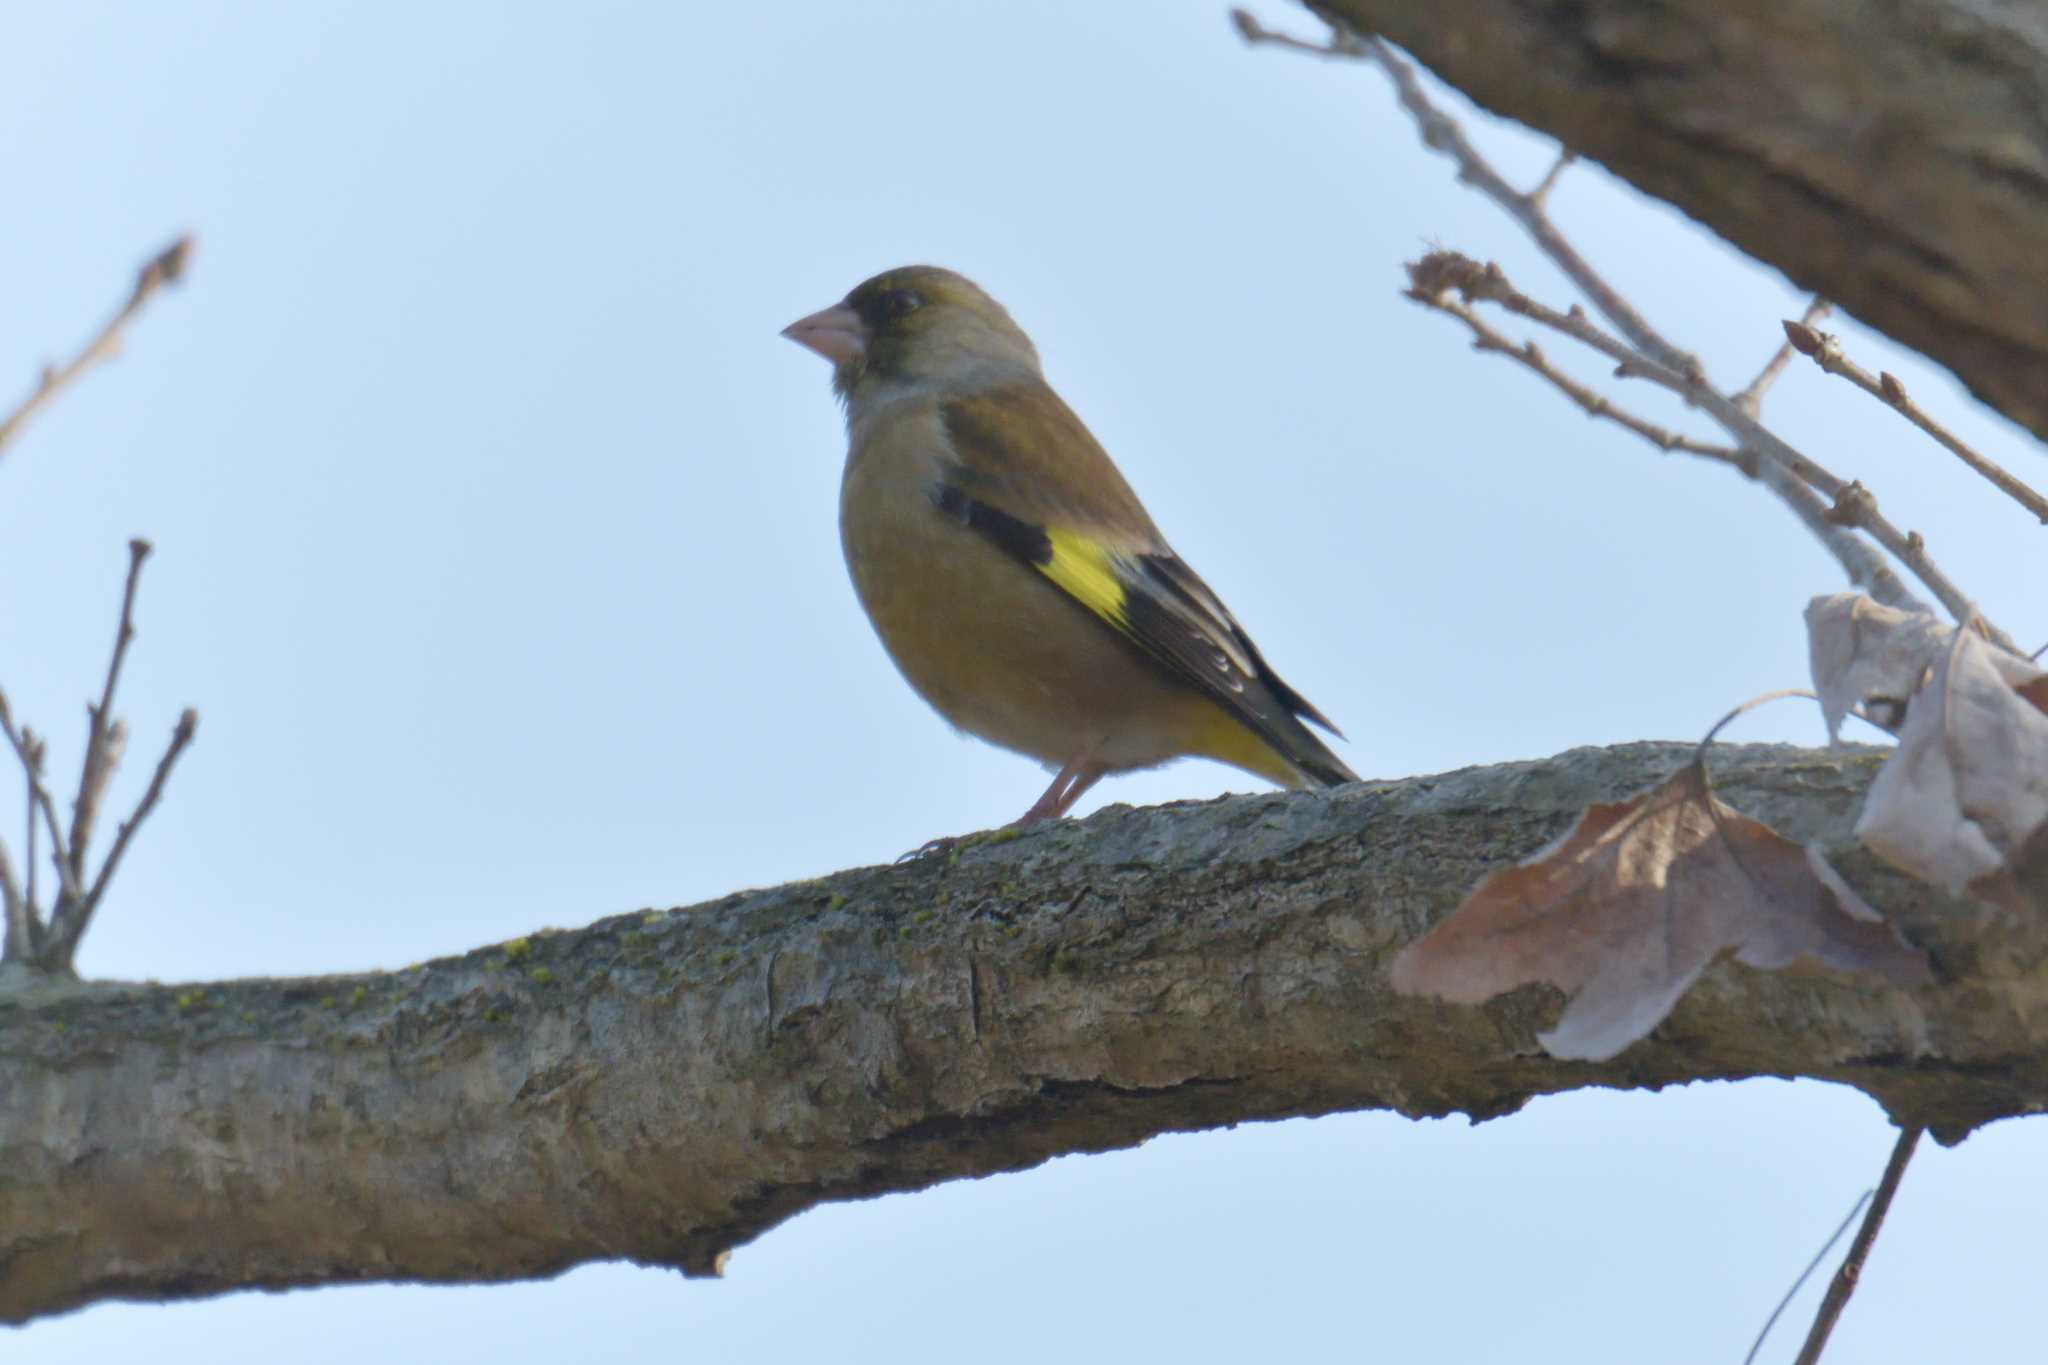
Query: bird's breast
point(985, 639)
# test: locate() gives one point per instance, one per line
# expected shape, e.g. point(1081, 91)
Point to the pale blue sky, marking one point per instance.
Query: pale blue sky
point(496, 547)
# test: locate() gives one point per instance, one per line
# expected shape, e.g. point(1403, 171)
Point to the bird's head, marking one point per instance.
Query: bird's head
point(913, 327)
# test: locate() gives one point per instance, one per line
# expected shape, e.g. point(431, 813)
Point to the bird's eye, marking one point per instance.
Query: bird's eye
point(899, 303)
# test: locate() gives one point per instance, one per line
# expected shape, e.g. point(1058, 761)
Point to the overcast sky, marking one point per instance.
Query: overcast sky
point(496, 547)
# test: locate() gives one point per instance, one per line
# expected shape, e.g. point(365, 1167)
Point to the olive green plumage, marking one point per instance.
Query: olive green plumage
point(1013, 575)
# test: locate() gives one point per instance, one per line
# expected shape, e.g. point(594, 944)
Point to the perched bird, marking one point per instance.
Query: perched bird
point(1010, 571)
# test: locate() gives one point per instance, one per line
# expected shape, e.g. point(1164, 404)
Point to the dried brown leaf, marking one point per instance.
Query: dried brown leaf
point(1632, 905)
point(1967, 788)
point(1866, 654)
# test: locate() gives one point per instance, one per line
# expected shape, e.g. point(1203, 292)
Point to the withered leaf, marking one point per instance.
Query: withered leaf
point(1632, 905)
point(1968, 785)
point(1864, 653)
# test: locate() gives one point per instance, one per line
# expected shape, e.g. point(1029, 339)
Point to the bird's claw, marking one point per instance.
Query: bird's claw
point(953, 845)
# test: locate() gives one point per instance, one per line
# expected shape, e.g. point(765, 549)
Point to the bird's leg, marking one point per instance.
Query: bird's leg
point(1090, 774)
point(1068, 785)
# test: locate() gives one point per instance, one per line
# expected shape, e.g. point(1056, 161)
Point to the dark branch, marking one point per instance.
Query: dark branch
point(1844, 1283)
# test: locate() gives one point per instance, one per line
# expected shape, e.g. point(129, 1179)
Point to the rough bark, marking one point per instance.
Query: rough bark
point(666, 1085)
point(1891, 155)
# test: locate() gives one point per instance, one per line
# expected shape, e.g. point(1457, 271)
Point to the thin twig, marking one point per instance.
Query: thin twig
point(1647, 353)
point(1750, 398)
point(20, 942)
point(1593, 404)
point(39, 797)
point(29, 827)
point(1540, 196)
point(1851, 1269)
point(166, 267)
point(1652, 354)
point(1440, 132)
point(1436, 275)
point(1854, 505)
point(68, 926)
point(105, 736)
point(1256, 33)
point(1804, 1275)
point(1826, 352)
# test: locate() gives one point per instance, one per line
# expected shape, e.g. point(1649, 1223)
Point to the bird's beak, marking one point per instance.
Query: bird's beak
point(835, 333)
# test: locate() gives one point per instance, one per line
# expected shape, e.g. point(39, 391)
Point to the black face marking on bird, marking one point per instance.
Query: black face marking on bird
point(898, 303)
point(918, 312)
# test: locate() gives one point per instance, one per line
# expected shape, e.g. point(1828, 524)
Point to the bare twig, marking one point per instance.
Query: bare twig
point(1844, 1283)
point(20, 942)
point(1854, 505)
point(1804, 1275)
point(166, 267)
point(39, 797)
point(1255, 33)
point(53, 948)
point(105, 736)
point(1826, 352)
point(1593, 404)
point(69, 925)
point(1645, 351)
point(1440, 272)
point(29, 821)
point(1750, 398)
point(1540, 196)
point(1440, 132)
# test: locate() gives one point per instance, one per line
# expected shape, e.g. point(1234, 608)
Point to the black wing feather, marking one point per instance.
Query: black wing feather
point(1170, 614)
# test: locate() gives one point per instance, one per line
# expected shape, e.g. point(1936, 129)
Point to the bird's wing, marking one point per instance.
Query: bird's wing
point(1028, 476)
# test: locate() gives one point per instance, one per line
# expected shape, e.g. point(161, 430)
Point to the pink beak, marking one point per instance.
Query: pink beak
point(835, 333)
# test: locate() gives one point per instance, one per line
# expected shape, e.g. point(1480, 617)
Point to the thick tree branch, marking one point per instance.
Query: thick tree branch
point(1892, 158)
point(665, 1086)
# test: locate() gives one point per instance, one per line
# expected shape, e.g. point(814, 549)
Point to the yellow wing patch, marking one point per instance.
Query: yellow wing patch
point(1212, 724)
point(1086, 571)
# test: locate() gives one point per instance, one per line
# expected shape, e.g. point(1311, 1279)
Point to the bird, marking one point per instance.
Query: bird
point(1014, 578)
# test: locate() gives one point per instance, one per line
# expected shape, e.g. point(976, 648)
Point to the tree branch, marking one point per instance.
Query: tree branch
point(1643, 350)
point(30, 755)
point(1890, 158)
point(19, 941)
point(70, 922)
point(1825, 350)
point(1527, 355)
point(1851, 1269)
point(1750, 398)
point(1853, 505)
point(663, 1087)
point(166, 267)
point(104, 734)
